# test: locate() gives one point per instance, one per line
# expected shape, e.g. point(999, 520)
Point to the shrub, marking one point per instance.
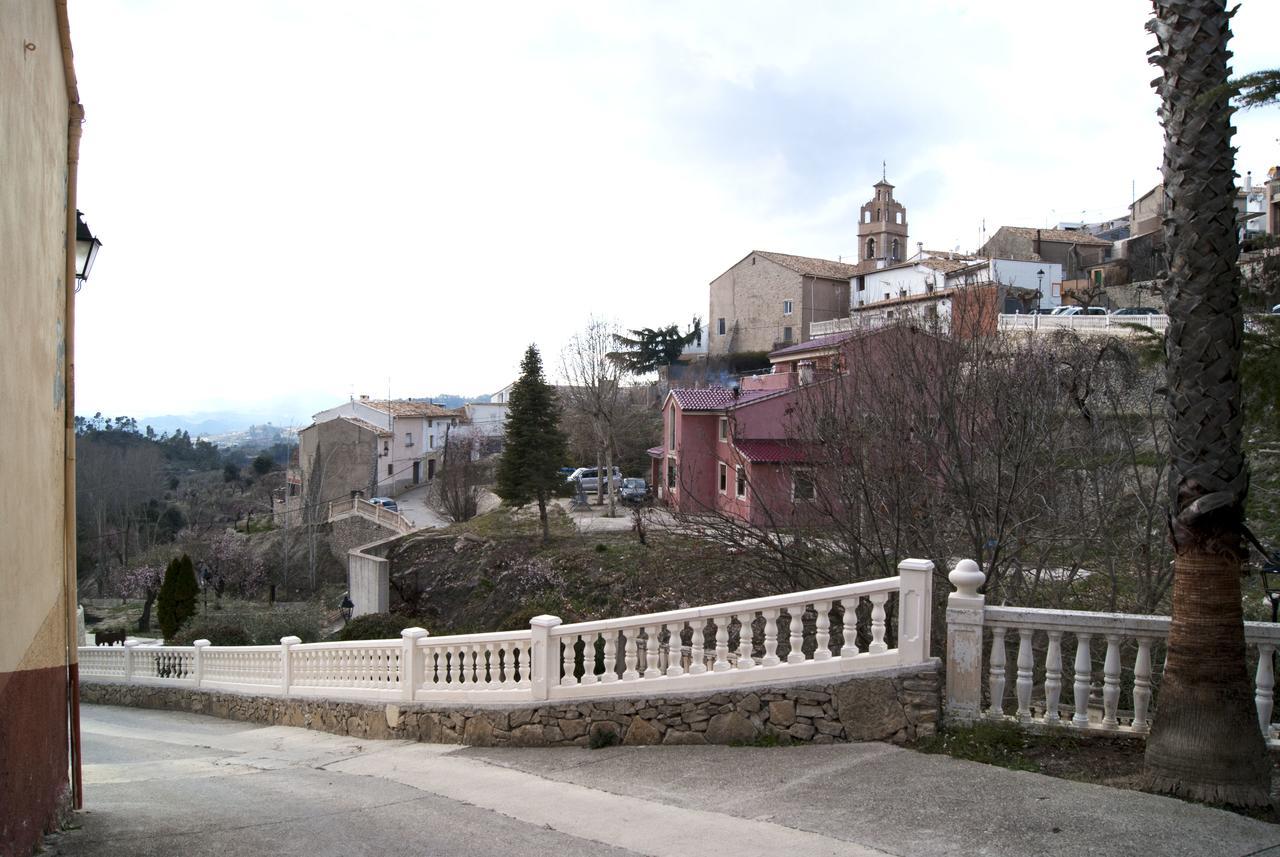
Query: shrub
point(376, 626)
point(245, 627)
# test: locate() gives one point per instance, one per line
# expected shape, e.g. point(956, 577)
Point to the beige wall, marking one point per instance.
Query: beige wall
point(33, 145)
point(749, 297)
point(343, 454)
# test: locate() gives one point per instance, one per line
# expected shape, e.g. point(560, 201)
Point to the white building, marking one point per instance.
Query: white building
point(419, 429)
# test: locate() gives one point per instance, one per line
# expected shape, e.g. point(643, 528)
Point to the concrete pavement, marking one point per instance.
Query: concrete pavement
point(160, 783)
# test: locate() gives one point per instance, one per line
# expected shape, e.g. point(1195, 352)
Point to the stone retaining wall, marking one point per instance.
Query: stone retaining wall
point(887, 705)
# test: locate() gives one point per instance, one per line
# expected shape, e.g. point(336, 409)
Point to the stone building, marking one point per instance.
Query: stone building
point(770, 299)
point(1075, 251)
point(40, 120)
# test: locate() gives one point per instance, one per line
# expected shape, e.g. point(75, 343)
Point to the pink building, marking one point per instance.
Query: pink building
point(734, 450)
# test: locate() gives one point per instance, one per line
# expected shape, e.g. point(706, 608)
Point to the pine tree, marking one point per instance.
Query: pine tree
point(535, 445)
point(176, 602)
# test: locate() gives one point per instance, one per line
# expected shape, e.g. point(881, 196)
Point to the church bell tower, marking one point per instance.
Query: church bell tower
point(882, 227)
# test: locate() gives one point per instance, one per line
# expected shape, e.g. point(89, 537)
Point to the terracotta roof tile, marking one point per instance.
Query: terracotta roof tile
point(714, 398)
point(1065, 236)
point(771, 451)
point(410, 408)
point(810, 266)
point(828, 341)
point(368, 426)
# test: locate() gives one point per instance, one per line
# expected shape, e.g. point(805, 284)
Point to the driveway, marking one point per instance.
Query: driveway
point(160, 783)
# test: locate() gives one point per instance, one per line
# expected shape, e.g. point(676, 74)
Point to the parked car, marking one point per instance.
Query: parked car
point(590, 480)
point(1136, 310)
point(1080, 310)
point(386, 503)
point(634, 491)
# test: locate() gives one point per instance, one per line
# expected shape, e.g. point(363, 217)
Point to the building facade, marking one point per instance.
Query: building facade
point(40, 117)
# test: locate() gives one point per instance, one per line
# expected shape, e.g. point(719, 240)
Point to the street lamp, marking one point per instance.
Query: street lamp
point(1039, 287)
point(86, 250)
point(345, 607)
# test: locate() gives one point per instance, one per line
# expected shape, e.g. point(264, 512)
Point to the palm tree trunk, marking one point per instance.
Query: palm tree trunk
point(1205, 742)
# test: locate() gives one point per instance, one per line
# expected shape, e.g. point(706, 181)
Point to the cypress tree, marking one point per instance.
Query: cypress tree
point(176, 602)
point(535, 446)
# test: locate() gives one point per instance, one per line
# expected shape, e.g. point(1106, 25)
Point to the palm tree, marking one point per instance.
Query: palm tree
point(1205, 743)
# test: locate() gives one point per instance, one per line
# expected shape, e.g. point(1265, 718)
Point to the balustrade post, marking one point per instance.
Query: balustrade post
point(770, 638)
point(410, 661)
point(198, 660)
point(964, 641)
point(1026, 674)
point(675, 647)
point(1053, 677)
point(1111, 682)
point(915, 590)
point(545, 657)
point(1080, 686)
point(1142, 685)
point(286, 662)
point(129, 646)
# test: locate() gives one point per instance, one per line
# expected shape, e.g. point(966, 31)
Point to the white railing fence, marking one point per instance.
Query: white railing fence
point(1115, 325)
point(1050, 689)
point(822, 632)
point(339, 509)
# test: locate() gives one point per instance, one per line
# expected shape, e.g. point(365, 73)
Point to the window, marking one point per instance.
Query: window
point(871, 248)
point(429, 424)
point(801, 485)
point(388, 469)
point(887, 296)
point(786, 307)
point(724, 429)
point(720, 326)
point(671, 474)
point(673, 429)
point(786, 334)
point(862, 284)
point(741, 486)
point(899, 218)
point(753, 260)
point(896, 250)
point(431, 441)
point(1097, 281)
point(408, 438)
point(724, 477)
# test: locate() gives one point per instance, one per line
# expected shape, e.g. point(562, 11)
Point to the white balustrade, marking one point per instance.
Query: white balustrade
point(1130, 640)
point(553, 661)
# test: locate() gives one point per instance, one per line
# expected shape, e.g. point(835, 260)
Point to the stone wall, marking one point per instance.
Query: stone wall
point(352, 532)
point(887, 705)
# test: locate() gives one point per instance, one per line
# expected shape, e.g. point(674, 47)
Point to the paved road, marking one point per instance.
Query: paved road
point(160, 783)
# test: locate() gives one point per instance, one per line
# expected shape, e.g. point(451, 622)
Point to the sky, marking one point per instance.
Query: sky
point(304, 200)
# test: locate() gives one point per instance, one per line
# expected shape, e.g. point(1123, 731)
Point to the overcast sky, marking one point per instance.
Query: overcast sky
point(304, 200)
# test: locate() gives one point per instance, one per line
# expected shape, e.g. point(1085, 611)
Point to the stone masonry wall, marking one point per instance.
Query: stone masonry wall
point(887, 705)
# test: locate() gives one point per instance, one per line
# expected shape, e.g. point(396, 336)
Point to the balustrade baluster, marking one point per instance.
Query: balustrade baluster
point(1142, 685)
point(631, 655)
point(722, 644)
point(823, 651)
point(850, 647)
point(697, 648)
point(1053, 677)
point(877, 623)
point(610, 674)
point(795, 634)
point(525, 665)
point(675, 646)
point(589, 659)
point(1264, 685)
point(1026, 673)
point(652, 669)
point(1111, 682)
point(745, 661)
point(1080, 686)
point(996, 676)
point(770, 638)
point(568, 657)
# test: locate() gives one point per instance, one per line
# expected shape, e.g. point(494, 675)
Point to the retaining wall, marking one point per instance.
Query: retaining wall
point(896, 705)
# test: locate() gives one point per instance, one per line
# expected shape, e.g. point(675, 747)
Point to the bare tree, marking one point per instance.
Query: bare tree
point(593, 394)
point(462, 476)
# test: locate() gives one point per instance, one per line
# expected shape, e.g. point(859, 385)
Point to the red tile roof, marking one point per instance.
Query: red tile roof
point(772, 451)
point(714, 398)
point(809, 266)
point(831, 340)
